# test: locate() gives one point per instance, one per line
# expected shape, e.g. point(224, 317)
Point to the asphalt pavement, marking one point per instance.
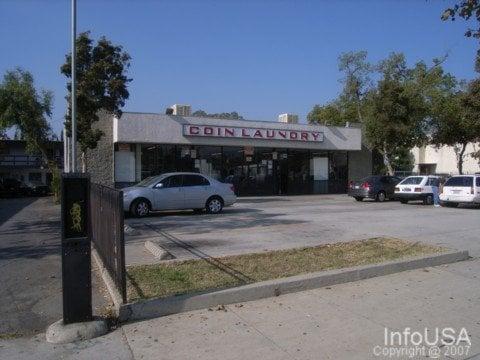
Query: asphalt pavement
point(30, 267)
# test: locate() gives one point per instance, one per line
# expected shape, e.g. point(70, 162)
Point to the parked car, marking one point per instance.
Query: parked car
point(36, 188)
point(461, 189)
point(417, 188)
point(178, 191)
point(378, 187)
point(13, 187)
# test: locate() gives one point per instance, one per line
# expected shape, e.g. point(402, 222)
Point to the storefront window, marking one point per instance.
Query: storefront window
point(253, 170)
point(208, 161)
point(233, 167)
point(260, 172)
point(185, 158)
point(157, 159)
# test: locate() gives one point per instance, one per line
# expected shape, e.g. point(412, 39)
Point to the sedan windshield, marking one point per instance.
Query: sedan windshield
point(151, 180)
point(412, 180)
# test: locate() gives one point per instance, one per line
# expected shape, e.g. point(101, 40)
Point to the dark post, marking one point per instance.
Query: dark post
point(76, 265)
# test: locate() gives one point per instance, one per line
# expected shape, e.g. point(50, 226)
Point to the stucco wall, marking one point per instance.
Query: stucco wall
point(445, 159)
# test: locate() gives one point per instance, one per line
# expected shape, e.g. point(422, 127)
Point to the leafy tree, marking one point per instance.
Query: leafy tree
point(403, 159)
point(471, 104)
point(24, 108)
point(350, 106)
point(398, 111)
point(394, 67)
point(335, 113)
point(424, 94)
point(329, 114)
point(230, 116)
point(396, 119)
point(356, 80)
point(101, 85)
point(466, 9)
point(450, 127)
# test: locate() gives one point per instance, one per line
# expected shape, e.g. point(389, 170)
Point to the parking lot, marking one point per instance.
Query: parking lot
point(271, 223)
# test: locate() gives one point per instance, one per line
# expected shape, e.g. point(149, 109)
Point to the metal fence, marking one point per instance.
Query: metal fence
point(107, 232)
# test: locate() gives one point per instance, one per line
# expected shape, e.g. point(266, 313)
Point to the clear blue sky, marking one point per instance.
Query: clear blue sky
point(260, 58)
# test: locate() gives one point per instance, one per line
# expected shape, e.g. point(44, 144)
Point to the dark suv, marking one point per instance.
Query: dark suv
point(377, 187)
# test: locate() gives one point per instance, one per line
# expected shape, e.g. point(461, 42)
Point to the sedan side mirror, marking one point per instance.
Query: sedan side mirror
point(159, 186)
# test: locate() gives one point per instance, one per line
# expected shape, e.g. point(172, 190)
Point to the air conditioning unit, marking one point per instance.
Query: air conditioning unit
point(288, 118)
point(181, 110)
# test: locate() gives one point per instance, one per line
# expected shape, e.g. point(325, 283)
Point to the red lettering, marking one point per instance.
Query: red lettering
point(270, 133)
point(194, 130)
point(315, 135)
point(229, 132)
point(293, 135)
point(245, 133)
point(207, 131)
point(304, 136)
point(283, 134)
point(258, 134)
point(219, 131)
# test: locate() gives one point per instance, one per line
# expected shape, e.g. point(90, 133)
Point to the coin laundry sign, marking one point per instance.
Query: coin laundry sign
point(252, 133)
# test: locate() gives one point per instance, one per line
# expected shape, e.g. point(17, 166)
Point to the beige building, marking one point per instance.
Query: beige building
point(443, 160)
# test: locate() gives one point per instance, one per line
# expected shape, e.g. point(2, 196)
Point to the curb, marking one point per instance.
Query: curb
point(109, 283)
point(177, 304)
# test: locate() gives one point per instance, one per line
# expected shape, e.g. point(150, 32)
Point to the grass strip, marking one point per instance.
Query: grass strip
point(180, 277)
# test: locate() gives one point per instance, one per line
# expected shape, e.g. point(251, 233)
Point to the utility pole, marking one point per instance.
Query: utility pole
point(73, 167)
point(66, 151)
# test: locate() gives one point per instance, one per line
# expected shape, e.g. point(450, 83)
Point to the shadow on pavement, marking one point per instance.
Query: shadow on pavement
point(28, 251)
point(9, 207)
point(35, 226)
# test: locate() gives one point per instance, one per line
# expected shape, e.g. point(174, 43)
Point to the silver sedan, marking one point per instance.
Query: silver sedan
point(178, 191)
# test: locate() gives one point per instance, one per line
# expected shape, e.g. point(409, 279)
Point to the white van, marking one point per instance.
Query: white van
point(461, 189)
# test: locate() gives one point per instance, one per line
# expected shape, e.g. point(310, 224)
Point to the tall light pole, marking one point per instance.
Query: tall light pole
point(73, 99)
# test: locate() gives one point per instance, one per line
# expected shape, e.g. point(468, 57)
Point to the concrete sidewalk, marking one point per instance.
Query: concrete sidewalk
point(342, 322)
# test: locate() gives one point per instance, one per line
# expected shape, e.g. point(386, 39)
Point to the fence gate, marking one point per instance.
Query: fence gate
point(107, 232)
